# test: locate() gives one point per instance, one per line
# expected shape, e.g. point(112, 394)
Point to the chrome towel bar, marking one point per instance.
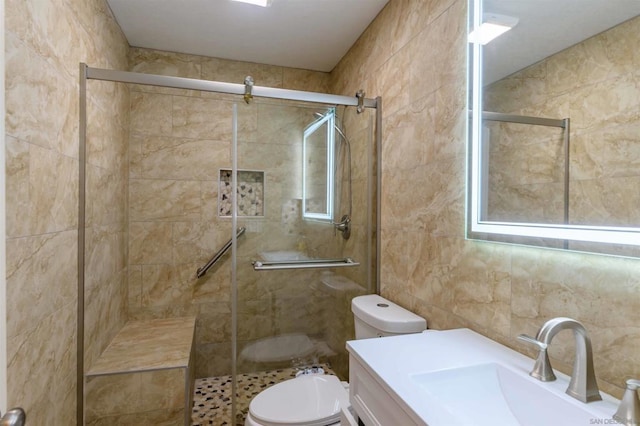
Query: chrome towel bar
point(263, 265)
point(201, 271)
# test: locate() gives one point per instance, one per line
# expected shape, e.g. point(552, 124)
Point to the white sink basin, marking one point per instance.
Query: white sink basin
point(480, 394)
point(458, 377)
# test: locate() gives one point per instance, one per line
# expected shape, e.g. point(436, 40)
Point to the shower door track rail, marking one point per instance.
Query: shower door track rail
point(523, 119)
point(201, 271)
point(263, 265)
point(221, 87)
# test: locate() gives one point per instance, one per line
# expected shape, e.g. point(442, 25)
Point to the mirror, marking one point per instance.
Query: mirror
point(554, 153)
point(317, 167)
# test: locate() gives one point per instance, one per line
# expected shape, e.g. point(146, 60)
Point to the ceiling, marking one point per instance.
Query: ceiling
point(546, 27)
point(308, 34)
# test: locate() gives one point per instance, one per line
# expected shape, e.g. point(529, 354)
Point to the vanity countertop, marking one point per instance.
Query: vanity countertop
point(402, 365)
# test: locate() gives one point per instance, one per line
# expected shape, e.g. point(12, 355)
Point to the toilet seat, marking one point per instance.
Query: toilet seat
point(310, 400)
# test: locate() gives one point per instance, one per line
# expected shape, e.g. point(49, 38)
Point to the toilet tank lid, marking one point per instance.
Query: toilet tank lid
point(385, 315)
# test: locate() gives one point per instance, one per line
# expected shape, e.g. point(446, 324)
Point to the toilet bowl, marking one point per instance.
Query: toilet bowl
point(309, 400)
point(317, 400)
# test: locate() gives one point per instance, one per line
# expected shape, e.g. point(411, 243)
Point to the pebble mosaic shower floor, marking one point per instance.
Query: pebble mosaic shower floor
point(212, 395)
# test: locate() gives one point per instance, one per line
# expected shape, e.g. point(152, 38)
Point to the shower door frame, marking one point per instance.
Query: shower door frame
point(116, 76)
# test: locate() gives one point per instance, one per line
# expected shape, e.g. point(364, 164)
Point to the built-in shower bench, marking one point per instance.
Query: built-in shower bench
point(144, 376)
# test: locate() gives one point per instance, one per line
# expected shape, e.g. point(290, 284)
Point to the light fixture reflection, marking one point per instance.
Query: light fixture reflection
point(263, 3)
point(493, 26)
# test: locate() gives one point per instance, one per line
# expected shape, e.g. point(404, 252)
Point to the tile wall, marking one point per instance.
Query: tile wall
point(414, 56)
point(594, 83)
point(45, 41)
point(179, 141)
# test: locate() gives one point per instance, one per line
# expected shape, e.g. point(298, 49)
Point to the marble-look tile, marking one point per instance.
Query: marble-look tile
point(619, 44)
point(214, 323)
point(151, 113)
point(134, 287)
point(606, 201)
point(45, 41)
point(235, 72)
point(255, 319)
point(533, 203)
point(176, 158)
point(305, 80)
point(17, 183)
point(105, 314)
point(409, 142)
point(164, 200)
point(158, 62)
point(450, 122)
point(611, 151)
point(580, 65)
point(105, 258)
point(104, 190)
point(192, 118)
point(42, 191)
point(515, 92)
point(394, 256)
point(148, 345)
point(393, 81)
point(106, 141)
point(156, 418)
point(32, 80)
point(149, 243)
point(199, 241)
point(64, 387)
point(163, 389)
point(605, 103)
point(294, 314)
point(33, 352)
point(213, 359)
point(538, 159)
point(37, 289)
point(163, 285)
point(151, 61)
point(113, 394)
point(215, 286)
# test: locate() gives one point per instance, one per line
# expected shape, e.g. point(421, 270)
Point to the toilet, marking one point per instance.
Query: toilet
point(317, 399)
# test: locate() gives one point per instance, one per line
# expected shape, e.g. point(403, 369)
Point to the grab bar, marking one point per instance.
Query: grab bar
point(201, 271)
point(263, 265)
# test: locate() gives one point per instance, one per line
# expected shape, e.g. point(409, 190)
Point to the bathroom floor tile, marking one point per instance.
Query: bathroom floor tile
point(212, 395)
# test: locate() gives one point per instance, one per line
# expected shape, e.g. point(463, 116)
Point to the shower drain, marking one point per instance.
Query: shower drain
point(309, 371)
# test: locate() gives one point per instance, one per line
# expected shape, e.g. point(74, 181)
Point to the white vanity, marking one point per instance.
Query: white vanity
point(458, 377)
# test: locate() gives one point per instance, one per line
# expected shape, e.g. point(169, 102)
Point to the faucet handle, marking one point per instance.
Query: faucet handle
point(629, 410)
point(528, 339)
point(542, 368)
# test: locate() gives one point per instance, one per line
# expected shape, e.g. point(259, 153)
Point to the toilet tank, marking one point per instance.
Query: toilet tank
point(375, 316)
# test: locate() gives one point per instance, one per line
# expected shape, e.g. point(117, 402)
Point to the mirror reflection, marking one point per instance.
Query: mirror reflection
point(560, 130)
point(317, 173)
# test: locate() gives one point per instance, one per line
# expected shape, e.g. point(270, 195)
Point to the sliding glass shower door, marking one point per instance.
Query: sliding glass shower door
point(303, 183)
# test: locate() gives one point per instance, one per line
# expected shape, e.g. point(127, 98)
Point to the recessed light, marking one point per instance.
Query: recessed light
point(493, 26)
point(263, 3)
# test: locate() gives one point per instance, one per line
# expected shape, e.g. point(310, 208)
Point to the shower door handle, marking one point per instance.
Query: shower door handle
point(13, 417)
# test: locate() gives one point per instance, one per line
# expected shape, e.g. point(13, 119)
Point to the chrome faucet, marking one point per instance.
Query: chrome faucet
point(582, 386)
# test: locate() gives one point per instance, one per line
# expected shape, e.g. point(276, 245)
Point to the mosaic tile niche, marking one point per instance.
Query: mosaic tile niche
point(250, 193)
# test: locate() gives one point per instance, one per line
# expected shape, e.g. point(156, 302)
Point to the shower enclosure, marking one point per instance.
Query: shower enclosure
point(250, 208)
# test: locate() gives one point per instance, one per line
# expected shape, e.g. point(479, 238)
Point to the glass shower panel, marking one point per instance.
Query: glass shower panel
point(295, 318)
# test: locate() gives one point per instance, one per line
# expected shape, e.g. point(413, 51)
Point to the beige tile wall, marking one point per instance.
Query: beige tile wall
point(45, 41)
point(413, 55)
point(179, 141)
point(145, 398)
point(594, 83)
